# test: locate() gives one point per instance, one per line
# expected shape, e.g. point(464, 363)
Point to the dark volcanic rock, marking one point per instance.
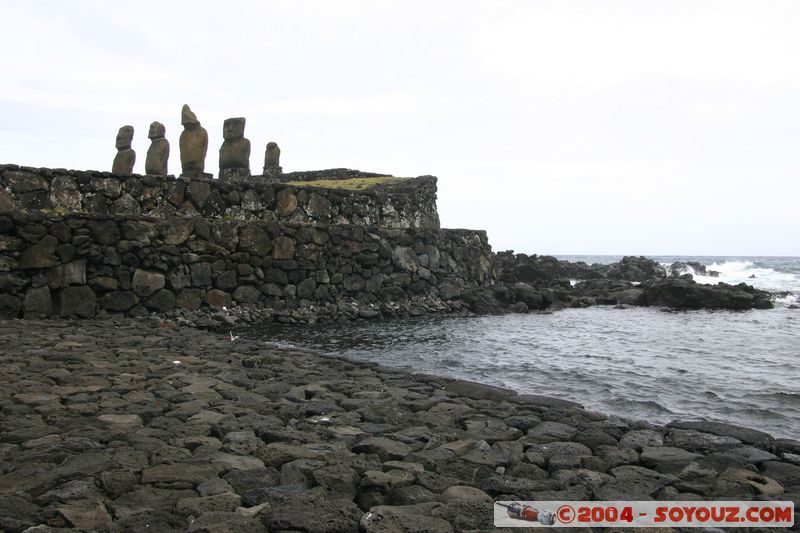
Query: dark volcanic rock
point(76, 301)
point(119, 424)
point(632, 268)
point(685, 294)
point(746, 435)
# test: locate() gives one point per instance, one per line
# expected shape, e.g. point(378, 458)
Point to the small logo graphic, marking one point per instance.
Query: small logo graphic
point(655, 514)
point(565, 514)
point(527, 513)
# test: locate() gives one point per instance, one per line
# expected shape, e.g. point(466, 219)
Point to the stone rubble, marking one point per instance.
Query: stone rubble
point(132, 425)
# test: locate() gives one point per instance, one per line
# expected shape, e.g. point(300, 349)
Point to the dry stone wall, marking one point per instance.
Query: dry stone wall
point(411, 204)
point(81, 265)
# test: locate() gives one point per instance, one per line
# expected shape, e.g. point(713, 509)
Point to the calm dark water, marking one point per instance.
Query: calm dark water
point(737, 367)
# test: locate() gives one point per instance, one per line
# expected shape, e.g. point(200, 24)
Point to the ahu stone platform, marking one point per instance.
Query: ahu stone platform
point(404, 203)
point(328, 245)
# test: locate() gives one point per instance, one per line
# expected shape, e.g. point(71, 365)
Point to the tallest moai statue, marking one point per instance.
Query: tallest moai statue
point(193, 144)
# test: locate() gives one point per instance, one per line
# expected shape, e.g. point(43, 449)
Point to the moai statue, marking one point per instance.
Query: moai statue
point(272, 160)
point(126, 157)
point(158, 153)
point(193, 144)
point(234, 154)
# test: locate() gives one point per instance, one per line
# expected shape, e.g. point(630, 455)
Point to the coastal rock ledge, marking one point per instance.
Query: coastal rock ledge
point(111, 425)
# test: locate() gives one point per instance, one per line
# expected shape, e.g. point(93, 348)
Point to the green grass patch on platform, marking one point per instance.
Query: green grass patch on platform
point(353, 184)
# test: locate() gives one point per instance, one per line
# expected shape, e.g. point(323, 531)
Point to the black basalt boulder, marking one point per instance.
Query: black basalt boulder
point(687, 294)
point(637, 269)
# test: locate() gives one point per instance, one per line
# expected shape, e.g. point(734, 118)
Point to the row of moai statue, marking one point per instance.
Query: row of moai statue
point(234, 154)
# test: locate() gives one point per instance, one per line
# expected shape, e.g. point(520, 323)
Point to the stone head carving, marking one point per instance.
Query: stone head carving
point(272, 157)
point(158, 153)
point(233, 128)
point(157, 131)
point(126, 157)
point(272, 160)
point(187, 116)
point(234, 154)
point(125, 138)
point(193, 144)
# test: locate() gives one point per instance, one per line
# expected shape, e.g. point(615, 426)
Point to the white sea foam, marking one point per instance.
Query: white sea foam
point(734, 272)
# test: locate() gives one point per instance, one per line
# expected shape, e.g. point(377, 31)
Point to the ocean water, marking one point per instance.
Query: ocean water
point(643, 363)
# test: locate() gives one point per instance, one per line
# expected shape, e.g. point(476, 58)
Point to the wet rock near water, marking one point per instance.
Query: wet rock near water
point(109, 425)
point(631, 281)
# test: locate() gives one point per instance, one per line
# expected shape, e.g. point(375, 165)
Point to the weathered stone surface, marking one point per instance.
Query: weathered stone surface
point(300, 510)
point(41, 254)
point(193, 144)
point(272, 157)
point(246, 294)
point(198, 192)
point(116, 301)
point(223, 522)
point(551, 431)
point(161, 301)
point(386, 449)
point(632, 480)
point(201, 274)
point(77, 301)
point(460, 492)
point(235, 150)
point(9, 306)
point(147, 282)
point(479, 391)
point(408, 203)
point(641, 438)
point(761, 484)
point(285, 203)
point(105, 231)
point(667, 458)
point(86, 515)
point(784, 473)
point(7, 204)
point(64, 275)
point(218, 299)
point(158, 153)
point(698, 441)
point(117, 427)
point(225, 502)
point(122, 422)
point(189, 299)
point(746, 435)
point(283, 248)
point(306, 288)
point(175, 230)
point(387, 481)
point(180, 472)
point(319, 207)
point(688, 294)
point(64, 194)
point(126, 157)
point(254, 240)
point(38, 303)
point(386, 522)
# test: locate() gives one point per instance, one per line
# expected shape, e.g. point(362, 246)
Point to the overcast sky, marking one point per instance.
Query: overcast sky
point(563, 127)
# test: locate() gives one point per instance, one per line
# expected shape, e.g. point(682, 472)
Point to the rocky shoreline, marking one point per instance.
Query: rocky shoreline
point(525, 284)
point(128, 424)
